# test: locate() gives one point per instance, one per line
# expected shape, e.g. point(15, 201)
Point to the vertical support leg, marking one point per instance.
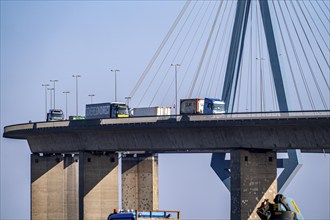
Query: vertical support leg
point(253, 178)
point(46, 190)
point(140, 182)
point(70, 203)
point(98, 185)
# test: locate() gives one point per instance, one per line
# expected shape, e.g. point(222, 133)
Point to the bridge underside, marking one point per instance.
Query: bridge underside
point(200, 134)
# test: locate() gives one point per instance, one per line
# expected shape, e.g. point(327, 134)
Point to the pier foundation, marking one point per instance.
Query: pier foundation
point(140, 182)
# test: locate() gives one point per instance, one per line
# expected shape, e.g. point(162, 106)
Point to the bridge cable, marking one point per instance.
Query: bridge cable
point(323, 11)
point(259, 46)
point(208, 62)
point(199, 42)
point(173, 60)
point(308, 62)
point(299, 63)
point(286, 52)
point(195, 52)
point(222, 65)
point(191, 41)
point(311, 30)
point(325, 27)
point(297, 59)
point(159, 49)
point(301, 46)
point(318, 30)
point(204, 53)
point(326, 5)
point(217, 59)
point(210, 56)
point(249, 91)
point(157, 72)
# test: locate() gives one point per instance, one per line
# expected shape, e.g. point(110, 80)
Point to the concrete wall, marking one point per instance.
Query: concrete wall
point(140, 182)
point(54, 189)
point(98, 185)
point(253, 179)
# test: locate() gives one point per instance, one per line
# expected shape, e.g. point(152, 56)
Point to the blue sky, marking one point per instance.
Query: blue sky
point(56, 39)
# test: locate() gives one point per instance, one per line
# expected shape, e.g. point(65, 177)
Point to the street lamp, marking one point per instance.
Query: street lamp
point(66, 103)
point(54, 81)
point(127, 100)
point(176, 87)
point(51, 96)
point(45, 85)
point(91, 95)
point(261, 79)
point(115, 70)
point(77, 76)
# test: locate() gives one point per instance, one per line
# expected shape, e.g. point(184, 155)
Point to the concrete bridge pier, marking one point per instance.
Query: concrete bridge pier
point(54, 189)
point(98, 184)
point(140, 181)
point(72, 187)
point(253, 179)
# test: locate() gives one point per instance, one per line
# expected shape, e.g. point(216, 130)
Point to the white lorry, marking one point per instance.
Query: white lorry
point(150, 111)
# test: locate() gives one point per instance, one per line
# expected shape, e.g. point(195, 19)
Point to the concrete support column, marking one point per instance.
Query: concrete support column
point(253, 179)
point(71, 187)
point(140, 182)
point(54, 189)
point(98, 185)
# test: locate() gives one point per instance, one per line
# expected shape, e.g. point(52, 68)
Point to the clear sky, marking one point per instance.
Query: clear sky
point(48, 40)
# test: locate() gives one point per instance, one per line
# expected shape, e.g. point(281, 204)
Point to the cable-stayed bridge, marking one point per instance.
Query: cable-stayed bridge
point(258, 56)
point(203, 41)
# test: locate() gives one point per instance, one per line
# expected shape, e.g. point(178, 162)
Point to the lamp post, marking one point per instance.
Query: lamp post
point(261, 86)
point(66, 103)
point(45, 85)
point(91, 95)
point(76, 76)
point(176, 87)
point(127, 100)
point(115, 71)
point(54, 81)
point(51, 96)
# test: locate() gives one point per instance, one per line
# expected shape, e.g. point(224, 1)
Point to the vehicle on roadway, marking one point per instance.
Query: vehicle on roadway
point(106, 110)
point(150, 111)
point(202, 106)
point(55, 115)
point(144, 215)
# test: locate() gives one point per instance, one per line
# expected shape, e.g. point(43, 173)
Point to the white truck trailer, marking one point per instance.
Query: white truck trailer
point(150, 111)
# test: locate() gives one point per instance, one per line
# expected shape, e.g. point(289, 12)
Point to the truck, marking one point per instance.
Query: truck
point(144, 215)
point(106, 110)
point(214, 106)
point(150, 111)
point(202, 106)
point(55, 115)
point(191, 106)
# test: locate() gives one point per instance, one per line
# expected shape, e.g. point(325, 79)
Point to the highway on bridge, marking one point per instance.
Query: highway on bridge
point(308, 131)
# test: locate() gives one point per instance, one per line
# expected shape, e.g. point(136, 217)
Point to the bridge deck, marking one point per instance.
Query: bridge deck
point(308, 131)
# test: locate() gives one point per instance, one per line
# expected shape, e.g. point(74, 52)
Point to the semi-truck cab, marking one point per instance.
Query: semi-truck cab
point(55, 115)
point(107, 110)
point(144, 215)
point(214, 106)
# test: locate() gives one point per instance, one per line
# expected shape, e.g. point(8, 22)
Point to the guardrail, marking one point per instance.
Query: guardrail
point(174, 118)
